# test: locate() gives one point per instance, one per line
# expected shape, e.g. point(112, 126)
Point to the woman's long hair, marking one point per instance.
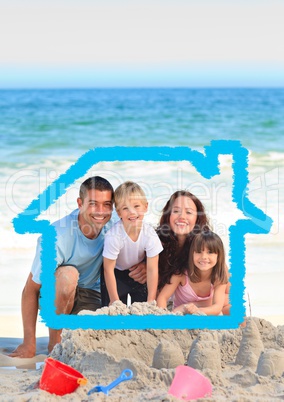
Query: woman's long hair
point(173, 261)
point(210, 240)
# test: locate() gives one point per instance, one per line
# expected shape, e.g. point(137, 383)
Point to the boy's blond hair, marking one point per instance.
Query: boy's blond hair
point(127, 190)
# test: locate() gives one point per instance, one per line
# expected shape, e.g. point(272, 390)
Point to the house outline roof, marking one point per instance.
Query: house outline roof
point(207, 164)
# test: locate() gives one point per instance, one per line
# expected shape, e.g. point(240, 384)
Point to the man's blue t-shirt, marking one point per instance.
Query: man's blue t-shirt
point(73, 248)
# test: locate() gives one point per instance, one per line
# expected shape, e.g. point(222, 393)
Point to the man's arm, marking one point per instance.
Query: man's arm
point(29, 316)
point(138, 272)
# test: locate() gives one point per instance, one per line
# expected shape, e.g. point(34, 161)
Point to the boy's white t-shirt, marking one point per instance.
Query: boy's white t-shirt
point(119, 246)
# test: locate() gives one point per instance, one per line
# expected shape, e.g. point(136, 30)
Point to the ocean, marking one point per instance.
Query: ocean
point(44, 132)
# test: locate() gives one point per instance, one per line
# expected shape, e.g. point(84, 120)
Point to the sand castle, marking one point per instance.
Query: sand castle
point(234, 360)
point(243, 364)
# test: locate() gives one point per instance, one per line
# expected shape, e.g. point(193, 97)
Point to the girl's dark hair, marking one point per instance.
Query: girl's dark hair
point(95, 183)
point(171, 260)
point(207, 238)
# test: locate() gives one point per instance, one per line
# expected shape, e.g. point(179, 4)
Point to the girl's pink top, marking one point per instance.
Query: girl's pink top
point(185, 294)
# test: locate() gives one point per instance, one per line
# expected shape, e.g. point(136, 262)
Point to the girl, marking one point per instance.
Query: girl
point(201, 288)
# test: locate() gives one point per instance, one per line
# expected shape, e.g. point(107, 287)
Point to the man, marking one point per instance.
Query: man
point(80, 238)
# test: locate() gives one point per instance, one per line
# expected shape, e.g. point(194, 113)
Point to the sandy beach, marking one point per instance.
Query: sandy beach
point(245, 364)
point(204, 83)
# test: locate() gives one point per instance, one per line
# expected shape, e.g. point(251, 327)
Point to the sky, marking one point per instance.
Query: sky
point(141, 43)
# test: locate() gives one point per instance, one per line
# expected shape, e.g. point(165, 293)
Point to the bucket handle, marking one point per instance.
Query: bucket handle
point(82, 381)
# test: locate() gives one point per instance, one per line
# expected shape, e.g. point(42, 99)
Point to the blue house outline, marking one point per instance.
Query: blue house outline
point(207, 165)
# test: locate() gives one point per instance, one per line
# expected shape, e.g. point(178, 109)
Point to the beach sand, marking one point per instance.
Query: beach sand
point(245, 364)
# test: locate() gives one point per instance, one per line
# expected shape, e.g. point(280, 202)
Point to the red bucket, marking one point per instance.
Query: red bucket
point(59, 378)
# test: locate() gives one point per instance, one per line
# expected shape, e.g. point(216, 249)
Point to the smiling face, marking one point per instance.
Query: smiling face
point(183, 216)
point(95, 212)
point(132, 211)
point(205, 260)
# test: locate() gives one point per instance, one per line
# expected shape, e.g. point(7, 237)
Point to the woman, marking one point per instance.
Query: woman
point(182, 217)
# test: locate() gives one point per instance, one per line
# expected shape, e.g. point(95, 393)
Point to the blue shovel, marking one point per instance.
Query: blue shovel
point(124, 376)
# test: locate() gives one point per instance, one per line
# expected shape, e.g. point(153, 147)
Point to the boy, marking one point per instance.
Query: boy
point(127, 243)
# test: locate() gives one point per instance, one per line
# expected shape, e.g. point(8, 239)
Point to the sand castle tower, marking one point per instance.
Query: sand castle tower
point(167, 355)
point(205, 352)
point(271, 363)
point(251, 346)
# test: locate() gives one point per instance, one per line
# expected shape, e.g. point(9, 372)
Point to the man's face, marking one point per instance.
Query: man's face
point(95, 212)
